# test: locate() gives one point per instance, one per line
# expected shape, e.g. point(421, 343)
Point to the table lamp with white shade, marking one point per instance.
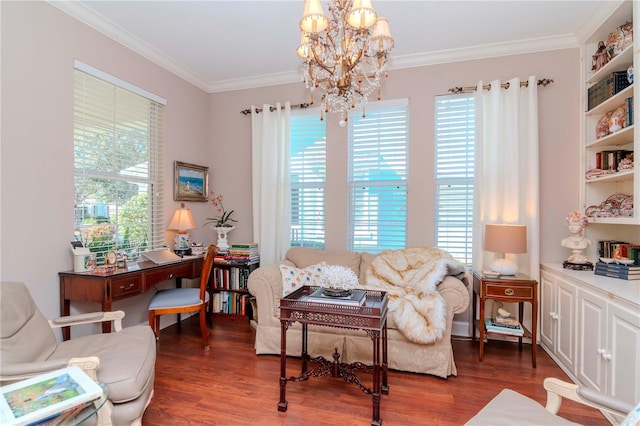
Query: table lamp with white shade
point(182, 221)
point(503, 238)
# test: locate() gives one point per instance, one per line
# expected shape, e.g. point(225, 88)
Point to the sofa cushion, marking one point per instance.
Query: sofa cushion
point(294, 278)
point(303, 257)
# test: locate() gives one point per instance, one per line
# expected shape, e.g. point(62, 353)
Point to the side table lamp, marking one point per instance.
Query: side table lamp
point(503, 238)
point(182, 221)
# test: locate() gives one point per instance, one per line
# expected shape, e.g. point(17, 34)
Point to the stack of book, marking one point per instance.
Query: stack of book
point(504, 325)
point(243, 254)
point(615, 270)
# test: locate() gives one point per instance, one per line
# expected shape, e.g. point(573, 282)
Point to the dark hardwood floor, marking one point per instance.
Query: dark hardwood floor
point(231, 385)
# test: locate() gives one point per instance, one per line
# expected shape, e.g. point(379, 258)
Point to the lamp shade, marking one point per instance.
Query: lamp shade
point(381, 39)
point(504, 238)
point(182, 220)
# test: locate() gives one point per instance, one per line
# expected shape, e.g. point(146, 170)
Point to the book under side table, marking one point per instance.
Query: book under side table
point(371, 317)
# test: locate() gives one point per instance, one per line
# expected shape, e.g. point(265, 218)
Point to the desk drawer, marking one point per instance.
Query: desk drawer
point(509, 291)
point(127, 286)
point(167, 273)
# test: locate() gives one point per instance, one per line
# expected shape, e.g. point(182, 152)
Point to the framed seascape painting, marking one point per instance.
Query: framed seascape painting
point(191, 182)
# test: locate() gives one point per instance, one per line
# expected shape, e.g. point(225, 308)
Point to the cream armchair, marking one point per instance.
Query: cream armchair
point(124, 361)
point(512, 408)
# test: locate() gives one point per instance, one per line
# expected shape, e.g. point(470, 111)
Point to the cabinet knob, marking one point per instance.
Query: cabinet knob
point(509, 292)
point(170, 276)
point(553, 315)
point(606, 356)
point(122, 286)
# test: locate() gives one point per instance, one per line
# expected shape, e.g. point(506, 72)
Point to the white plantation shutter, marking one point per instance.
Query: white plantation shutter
point(378, 145)
point(454, 172)
point(118, 158)
point(308, 174)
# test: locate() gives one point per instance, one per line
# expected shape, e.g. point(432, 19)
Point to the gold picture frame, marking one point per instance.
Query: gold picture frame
point(190, 182)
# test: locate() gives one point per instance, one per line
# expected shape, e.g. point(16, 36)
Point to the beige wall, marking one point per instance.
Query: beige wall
point(559, 142)
point(39, 45)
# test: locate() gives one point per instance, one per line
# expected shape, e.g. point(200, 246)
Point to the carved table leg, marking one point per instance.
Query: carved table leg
point(376, 421)
point(282, 405)
point(385, 364)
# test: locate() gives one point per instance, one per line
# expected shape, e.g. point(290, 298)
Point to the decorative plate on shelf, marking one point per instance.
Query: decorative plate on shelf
point(607, 259)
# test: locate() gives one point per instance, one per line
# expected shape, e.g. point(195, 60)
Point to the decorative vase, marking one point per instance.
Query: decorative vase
point(223, 244)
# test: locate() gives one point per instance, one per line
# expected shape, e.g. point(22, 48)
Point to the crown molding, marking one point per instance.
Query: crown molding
point(603, 12)
point(110, 29)
point(484, 51)
point(418, 60)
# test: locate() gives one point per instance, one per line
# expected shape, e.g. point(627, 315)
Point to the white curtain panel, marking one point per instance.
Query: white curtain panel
point(271, 187)
point(507, 178)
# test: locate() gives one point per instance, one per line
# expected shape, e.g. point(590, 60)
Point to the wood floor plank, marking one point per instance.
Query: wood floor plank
point(231, 385)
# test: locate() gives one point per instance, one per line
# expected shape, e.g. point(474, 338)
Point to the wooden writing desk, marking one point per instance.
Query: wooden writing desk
point(134, 279)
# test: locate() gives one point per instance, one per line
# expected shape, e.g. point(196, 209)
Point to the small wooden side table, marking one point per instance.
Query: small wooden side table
point(507, 288)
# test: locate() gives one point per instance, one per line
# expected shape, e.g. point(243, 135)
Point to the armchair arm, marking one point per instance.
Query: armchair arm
point(90, 318)
point(558, 389)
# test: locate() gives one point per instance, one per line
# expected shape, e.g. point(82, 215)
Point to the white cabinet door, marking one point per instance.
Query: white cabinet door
point(558, 319)
point(565, 347)
point(547, 310)
point(623, 354)
point(592, 318)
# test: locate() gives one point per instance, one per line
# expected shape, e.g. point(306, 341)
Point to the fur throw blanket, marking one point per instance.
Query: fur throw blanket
point(410, 277)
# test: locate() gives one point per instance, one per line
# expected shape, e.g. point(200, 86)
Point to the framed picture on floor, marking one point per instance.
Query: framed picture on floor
point(191, 182)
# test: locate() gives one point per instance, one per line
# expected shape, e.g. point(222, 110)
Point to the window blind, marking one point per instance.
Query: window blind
point(454, 174)
point(308, 157)
point(378, 145)
point(118, 173)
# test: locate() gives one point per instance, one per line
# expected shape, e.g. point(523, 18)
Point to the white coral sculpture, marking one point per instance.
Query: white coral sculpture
point(338, 277)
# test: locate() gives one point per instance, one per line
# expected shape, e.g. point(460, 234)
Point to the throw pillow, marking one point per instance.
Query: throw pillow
point(294, 278)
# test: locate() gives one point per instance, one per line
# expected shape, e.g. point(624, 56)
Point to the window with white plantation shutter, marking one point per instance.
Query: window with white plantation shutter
point(454, 173)
point(308, 170)
point(118, 138)
point(378, 145)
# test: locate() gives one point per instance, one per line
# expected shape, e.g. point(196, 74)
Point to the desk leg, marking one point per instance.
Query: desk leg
point(65, 306)
point(375, 395)
point(282, 405)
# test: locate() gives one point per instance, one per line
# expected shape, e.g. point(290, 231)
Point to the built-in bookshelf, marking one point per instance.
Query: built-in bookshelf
point(610, 133)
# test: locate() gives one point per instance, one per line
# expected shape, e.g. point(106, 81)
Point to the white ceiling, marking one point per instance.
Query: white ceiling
point(224, 45)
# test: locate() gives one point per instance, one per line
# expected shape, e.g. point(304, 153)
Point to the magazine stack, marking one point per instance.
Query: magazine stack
point(504, 325)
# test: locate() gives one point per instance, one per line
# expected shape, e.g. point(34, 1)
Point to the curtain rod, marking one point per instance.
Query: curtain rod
point(543, 82)
point(272, 108)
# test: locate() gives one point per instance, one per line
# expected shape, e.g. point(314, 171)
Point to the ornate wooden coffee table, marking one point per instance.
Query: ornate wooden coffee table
point(370, 317)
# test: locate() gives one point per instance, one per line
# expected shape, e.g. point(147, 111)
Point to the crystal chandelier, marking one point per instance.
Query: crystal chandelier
point(345, 55)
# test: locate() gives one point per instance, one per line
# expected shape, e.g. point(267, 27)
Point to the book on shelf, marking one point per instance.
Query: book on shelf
point(46, 396)
point(510, 325)
point(356, 298)
point(491, 327)
point(506, 320)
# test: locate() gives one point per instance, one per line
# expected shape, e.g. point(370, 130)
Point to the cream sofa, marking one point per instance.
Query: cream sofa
point(265, 283)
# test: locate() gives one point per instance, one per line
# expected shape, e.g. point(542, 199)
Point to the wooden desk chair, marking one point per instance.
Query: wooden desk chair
point(184, 300)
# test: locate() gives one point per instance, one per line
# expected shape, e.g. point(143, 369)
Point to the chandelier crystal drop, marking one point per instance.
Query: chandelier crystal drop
point(345, 55)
